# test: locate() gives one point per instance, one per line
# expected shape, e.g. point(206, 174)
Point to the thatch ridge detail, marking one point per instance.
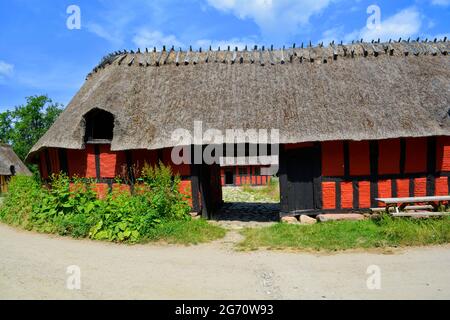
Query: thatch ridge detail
point(318, 54)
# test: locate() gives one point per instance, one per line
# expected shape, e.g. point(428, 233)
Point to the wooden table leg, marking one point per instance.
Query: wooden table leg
point(435, 205)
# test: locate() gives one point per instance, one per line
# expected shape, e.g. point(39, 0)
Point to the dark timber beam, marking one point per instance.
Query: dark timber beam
point(374, 155)
point(63, 163)
point(195, 181)
point(48, 164)
point(130, 173)
point(402, 155)
point(318, 202)
point(97, 161)
point(195, 187)
point(431, 166)
point(346, 159)
point(283, 181)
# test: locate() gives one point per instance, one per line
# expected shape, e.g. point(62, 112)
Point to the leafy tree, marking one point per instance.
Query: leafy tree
point(26, 124)
point(5, 126)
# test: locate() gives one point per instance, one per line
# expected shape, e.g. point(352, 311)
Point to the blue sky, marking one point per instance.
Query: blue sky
point(40, 55)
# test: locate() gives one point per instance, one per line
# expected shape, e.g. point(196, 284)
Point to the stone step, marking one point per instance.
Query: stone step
point(340, 216)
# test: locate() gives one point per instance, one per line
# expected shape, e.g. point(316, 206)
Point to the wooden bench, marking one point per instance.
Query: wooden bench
point(400, 204)
point(422, 214)
point(407, 208)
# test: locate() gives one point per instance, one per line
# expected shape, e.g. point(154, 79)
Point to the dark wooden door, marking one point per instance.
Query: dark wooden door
point(301, 170)
point(205, 190)
point(229, 177)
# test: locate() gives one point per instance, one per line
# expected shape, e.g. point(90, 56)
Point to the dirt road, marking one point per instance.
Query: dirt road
point(33, 266)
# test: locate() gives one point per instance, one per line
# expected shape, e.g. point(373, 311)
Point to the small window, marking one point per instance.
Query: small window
point(257, 171)
point(99, 126)
point(229, 178)
point(243, 171)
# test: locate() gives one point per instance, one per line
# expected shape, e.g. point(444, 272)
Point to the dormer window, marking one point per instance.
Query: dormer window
point(99, 126)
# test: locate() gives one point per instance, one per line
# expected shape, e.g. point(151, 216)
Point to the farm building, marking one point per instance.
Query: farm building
point(10, 165)
point(355, 122)
point(243, 175)
point(238, 171)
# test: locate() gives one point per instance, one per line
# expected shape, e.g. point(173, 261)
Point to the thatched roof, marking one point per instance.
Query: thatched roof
point(355, 92)
point(7, 159)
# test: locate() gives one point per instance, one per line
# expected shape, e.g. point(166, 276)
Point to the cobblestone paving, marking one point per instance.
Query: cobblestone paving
point(239, 215)
point(246, 209)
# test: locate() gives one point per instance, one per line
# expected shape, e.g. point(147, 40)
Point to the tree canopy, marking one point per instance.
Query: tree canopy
point(26, 124)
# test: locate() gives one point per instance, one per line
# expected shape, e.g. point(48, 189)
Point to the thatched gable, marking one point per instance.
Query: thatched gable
point(355, 92)
point(7, 159)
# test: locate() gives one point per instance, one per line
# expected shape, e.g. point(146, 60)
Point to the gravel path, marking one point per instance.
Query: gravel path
point(33, 266)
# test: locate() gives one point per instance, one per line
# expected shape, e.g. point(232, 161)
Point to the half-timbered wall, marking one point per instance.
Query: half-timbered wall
point(242, 175)
point(98, 162)
point(355, 173)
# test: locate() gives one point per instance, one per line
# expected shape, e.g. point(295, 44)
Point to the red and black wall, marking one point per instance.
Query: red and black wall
point(335, 176)
point(242, 175)
point(349, 175)
point(98, 162)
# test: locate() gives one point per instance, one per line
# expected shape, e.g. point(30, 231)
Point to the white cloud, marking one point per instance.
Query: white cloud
point(274, 17)
point(6, 69)
point(112, 22)
point(146, 38)
point(223, 44)
point(101, 32)
point(404, 24)
point(440, 2)
point(334, 34)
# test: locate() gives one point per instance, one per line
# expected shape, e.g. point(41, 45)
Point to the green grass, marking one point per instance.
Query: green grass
point(343, 235)
point(269, 193)
point(186, 232)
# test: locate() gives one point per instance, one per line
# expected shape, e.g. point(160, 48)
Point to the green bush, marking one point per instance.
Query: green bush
point(17, 205)
point(64, 209)
point(71, 207)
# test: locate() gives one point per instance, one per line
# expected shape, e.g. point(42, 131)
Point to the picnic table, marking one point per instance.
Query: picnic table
point(401, 203)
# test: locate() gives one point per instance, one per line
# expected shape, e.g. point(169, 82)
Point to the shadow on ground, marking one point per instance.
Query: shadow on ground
point(248, 212)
